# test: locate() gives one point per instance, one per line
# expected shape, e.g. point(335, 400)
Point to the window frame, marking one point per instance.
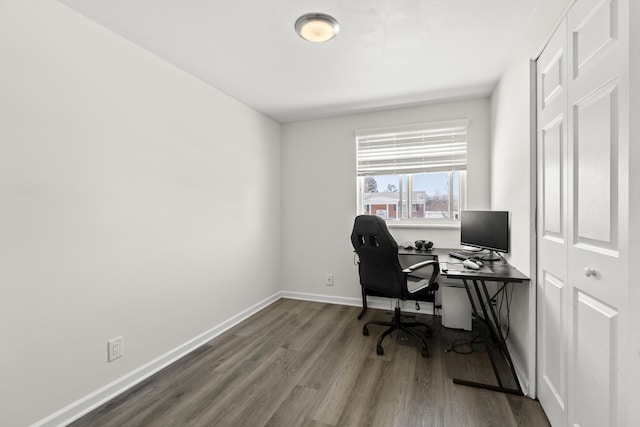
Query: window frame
point(374, 162)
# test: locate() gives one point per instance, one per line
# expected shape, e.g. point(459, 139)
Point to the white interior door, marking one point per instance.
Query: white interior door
point(552, 290)
point(598, 179)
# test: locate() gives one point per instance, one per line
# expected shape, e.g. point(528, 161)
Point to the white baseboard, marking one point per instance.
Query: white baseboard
point(372, 302)
point(86, 404)
point(321, 298)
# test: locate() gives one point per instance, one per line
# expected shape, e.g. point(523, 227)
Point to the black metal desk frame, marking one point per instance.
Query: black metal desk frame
point(503, 273)
point(492, 323)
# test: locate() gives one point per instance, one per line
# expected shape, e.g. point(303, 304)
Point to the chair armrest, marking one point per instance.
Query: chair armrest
point(419, 265)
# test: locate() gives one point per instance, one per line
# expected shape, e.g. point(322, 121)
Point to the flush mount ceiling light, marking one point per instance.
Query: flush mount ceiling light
point(317, 27)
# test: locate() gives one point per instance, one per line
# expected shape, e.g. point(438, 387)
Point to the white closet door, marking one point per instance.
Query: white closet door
point(598, 208)
point(583, 217)
point(552, 289)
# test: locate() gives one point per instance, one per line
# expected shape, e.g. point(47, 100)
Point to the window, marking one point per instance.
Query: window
point(413, 173)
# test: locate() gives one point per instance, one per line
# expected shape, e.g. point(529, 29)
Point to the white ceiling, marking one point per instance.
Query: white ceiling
point(389, 53)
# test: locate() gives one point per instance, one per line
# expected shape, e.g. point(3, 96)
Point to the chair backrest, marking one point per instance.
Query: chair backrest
point(379, 268)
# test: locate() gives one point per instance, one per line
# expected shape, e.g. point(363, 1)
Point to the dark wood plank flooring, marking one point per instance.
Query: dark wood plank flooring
point(301, 363)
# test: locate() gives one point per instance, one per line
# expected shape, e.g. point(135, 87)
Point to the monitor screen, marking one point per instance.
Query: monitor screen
point(485, 229)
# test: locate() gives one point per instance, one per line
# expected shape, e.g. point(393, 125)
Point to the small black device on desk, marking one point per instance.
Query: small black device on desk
point(423, 245)
point(420, 245)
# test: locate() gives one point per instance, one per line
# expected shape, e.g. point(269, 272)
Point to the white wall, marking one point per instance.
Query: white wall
point(135, 201)
point(511, 173)
point(319, 191)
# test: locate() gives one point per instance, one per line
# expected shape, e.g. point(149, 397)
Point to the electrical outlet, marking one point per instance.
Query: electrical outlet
point(114, 349)
point(329, 280)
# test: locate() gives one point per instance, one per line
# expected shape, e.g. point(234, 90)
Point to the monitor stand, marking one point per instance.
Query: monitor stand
point(491, 256)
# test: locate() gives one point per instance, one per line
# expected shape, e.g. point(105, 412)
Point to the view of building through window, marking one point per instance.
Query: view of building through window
point(434, 195)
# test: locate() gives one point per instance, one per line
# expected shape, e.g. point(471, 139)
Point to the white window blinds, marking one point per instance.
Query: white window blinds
point(428, 147)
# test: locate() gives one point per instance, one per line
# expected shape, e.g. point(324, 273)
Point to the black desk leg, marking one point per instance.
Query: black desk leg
point(495, 335)
point(501, 340)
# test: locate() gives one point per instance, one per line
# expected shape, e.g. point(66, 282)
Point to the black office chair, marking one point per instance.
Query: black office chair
point(381, 274)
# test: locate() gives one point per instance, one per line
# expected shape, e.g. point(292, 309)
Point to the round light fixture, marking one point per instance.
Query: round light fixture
point(317, 27)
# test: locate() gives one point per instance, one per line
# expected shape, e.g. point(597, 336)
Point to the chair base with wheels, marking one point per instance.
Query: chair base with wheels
point(398, 324)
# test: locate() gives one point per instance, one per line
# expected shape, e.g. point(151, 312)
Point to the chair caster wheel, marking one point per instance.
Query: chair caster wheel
point(365, 331)
point(379, 350)
point(425, 352)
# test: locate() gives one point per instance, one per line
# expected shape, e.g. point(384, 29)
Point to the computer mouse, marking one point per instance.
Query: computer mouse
point(470, 264)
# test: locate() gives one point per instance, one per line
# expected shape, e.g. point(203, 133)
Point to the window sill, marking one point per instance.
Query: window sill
point(423, 224)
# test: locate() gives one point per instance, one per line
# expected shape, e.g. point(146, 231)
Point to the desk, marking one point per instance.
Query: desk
point(475, 280)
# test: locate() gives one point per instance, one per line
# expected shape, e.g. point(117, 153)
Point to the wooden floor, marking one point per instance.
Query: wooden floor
point(300, 363)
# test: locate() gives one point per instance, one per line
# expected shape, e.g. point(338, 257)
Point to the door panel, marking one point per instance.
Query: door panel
point(596, 167)
point(551, 79)
point(598, 112)
point(552, 336)
point(595, 362)
point(594, 33)
point(552, 169)
point(552, 295)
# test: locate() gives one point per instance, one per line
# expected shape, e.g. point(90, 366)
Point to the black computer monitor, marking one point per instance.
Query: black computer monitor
point(485, 230)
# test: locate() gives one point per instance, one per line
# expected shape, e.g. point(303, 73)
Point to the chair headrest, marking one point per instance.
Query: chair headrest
point(371, 231)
